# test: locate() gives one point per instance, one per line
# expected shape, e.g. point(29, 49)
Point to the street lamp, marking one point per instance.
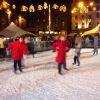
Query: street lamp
point(80, 4)
point(91, 4)
point(9, 15)
point(20, 20)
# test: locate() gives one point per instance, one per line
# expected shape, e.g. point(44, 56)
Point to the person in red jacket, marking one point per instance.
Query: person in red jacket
point(61, 46)
point(18, 50)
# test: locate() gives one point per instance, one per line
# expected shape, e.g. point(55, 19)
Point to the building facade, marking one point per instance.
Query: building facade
point(86, 17)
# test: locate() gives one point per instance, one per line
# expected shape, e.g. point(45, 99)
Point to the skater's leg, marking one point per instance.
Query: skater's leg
point(59, 68)
point(15, 66)
point(19, 65)
point(94, 49)
point(78, 61)
point(74, 60)
point(65, 66)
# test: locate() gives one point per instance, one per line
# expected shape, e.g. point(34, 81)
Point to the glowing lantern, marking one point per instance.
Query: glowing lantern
point(24, 8)
point(31, 8)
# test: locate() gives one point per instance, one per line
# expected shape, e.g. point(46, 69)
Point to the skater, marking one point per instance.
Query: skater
point(18, 50)
point(77, 54)
point(96, 43)
point(61, 47)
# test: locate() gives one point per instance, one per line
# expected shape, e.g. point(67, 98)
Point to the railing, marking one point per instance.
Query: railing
point(42, 46)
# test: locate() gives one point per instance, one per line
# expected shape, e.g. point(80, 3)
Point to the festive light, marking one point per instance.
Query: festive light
point(74, 10)
point(40, 7)
point(80, 4)
point(24, 8)
point(45, 5)
point(94, 8)
point(31, 8)
point(55, 6)
point(63, 8)
point(9, 14)
point(91, 3)
point(13, 6)
point(5, 5)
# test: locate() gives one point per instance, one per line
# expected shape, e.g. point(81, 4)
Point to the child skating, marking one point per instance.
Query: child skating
point(77, 54)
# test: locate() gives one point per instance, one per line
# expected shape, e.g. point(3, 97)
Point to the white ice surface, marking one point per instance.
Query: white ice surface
point(40, 80)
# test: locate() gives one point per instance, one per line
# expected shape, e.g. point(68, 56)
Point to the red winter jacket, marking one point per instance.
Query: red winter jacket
point(18, 49)
point(61, 47)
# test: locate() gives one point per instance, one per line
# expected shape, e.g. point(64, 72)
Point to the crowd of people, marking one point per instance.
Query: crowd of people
point(61, 44)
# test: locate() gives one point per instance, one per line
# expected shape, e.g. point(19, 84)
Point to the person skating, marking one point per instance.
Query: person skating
point(77, 54)
point(96, 43)
point(18, 50)
point(61, 46)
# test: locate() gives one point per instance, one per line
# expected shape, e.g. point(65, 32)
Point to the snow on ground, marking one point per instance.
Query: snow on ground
point(40, 80)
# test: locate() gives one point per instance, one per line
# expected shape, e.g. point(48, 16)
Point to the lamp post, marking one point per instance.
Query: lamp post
point(49, 19)
point(9, 16)
point(20, 20)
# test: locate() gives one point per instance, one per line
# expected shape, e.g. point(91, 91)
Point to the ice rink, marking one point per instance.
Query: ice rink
point(40, 80)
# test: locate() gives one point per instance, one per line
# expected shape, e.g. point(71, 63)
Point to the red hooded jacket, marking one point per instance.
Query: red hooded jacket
point(18, 49)
point(61, 47)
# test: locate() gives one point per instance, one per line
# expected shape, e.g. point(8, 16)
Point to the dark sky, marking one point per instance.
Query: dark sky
point(27, 2)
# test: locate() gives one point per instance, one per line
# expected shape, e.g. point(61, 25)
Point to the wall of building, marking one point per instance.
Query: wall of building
point(86, 20)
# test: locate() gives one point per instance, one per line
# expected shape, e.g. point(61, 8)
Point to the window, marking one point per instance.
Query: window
point(76, 17)
point(97, 23)
point(83, 17)
point(98, 15)
point(90, 9)
point(90, 25)
point(43, 29)
point(82, 25)
point(98, 8)
point(90, 16)
point(76, 25)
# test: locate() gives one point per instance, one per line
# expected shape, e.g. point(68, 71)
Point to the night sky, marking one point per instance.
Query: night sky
point(35, 2)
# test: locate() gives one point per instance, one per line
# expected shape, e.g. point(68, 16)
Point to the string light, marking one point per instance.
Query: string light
point(31, 8)
point(24, 8)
